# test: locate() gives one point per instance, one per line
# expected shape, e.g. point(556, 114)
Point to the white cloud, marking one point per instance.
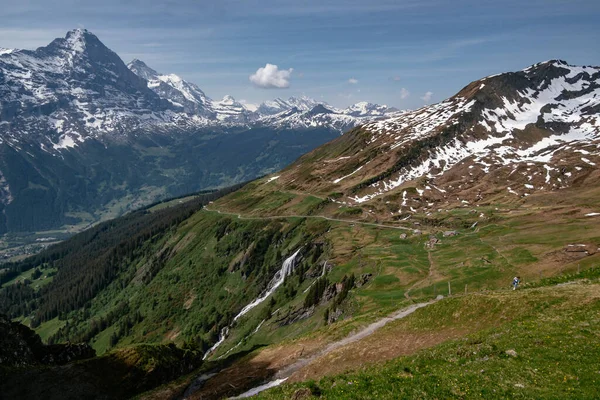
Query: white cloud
point(353, 81)
point(427, 96)
point(404, 93)
point(271, 77)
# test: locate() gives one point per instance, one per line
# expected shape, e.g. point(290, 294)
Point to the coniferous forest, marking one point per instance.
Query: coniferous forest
point(88, 262)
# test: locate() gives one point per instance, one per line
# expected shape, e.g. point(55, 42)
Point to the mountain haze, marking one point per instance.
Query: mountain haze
point(83, 136)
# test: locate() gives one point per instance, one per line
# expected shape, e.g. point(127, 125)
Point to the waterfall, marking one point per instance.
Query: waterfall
point(260, 388)
point(222, 337)
point(278, 279)
point(322, 275)
point(286, 269)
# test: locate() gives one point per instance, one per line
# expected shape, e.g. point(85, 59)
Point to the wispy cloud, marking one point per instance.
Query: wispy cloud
point(271, 77)
point(404, 93)
point(427, 96)
point(341, 7)
point(28, 38)
point(353, 81)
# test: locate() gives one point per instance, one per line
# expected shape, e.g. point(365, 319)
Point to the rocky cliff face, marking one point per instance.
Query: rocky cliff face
point(29, 369)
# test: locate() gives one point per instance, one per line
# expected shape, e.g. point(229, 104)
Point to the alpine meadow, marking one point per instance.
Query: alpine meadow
point(156, 243)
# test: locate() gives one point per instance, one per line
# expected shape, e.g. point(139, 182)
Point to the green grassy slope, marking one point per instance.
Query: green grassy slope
point(186, 281)
point(535, 343)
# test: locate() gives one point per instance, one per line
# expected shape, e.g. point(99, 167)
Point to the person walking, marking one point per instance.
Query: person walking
point(515, 282)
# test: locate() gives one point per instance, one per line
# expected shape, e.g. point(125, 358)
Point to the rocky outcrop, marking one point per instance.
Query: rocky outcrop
point(21, 347)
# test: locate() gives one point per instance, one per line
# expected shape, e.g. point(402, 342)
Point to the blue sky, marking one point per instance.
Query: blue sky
point(390, 52)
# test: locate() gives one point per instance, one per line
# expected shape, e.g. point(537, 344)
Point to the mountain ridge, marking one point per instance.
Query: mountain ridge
point(97, 94)
point(268, 113)
point(537, 128)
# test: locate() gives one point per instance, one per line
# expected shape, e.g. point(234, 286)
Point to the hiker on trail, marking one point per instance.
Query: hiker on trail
point(515, 282)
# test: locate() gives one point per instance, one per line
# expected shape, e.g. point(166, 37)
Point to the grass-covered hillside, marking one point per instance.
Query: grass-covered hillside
point(533, 343)
point(186, 281)
point(180, 273)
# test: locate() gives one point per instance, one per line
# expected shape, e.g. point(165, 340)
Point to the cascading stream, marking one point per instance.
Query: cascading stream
point(278, 279)
point(286, 269)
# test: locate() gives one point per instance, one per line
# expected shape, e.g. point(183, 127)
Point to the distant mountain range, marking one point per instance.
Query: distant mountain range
point(76, 88)
point(82, 135)
point(293, 113)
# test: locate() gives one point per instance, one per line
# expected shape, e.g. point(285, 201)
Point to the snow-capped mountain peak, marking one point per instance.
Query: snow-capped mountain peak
point(227, 99)
point(278, 105)
point(515, 133)
point(180, 93)
point(230, 110)
point(76, 39)
point(363, 109)
point(76, 87)
point(293, 113)
point(73, 88)
point(142, 70)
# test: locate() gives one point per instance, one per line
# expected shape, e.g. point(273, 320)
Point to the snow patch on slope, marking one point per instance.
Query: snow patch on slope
point(567, 100)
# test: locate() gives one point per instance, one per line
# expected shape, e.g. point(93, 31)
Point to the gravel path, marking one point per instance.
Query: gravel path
point(283, 374)
point(239, 216)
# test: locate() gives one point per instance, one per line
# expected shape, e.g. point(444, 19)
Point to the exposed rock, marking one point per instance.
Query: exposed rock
point(450, 233)
point(511, 353)
point(403, 236)
point(363, 280)
point(334, 316)
point(329, 294)
point(303, 393)
point(21, 346)
point(64, 353)
point(296, 315)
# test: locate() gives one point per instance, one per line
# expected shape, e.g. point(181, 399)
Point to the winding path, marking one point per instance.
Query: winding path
point(240, 216)
point(283, 374)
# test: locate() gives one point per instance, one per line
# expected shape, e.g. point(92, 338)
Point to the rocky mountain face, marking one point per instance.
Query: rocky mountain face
point(187, 97)
point(71, 89)
point(505, 136)
point(278, 105)
point(83, 135)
